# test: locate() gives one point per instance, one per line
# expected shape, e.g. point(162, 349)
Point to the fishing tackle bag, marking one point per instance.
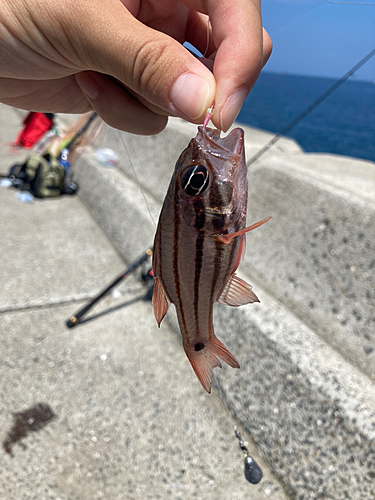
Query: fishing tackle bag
point(43, 176)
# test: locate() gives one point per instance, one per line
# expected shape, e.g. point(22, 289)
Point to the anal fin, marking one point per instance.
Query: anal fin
point(220, 350)
point(237, 293)
point(160, 301)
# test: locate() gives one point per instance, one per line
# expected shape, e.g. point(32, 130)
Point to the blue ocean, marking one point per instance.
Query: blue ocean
point(342, 124)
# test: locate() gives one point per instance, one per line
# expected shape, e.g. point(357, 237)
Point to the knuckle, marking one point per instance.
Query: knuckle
point(150, 65)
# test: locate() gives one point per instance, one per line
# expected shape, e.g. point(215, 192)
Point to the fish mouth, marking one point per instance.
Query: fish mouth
point(219, 211)
point(222, 147)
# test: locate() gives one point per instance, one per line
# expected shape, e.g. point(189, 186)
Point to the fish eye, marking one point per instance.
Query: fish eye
point(195, 180)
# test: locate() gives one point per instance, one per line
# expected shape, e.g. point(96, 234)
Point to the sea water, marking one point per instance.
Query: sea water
point(343, 124)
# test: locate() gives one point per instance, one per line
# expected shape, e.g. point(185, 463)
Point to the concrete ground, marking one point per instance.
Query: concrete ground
point(110, 409)
point(305, 390)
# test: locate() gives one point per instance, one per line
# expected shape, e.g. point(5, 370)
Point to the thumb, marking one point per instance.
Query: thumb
point(147, 62)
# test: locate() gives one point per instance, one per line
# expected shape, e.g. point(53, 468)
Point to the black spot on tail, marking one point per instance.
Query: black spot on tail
point(199, 346)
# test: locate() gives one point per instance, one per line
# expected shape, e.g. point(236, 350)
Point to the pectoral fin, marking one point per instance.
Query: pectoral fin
point(160, 301)
point(237, 293)
point(227, 238)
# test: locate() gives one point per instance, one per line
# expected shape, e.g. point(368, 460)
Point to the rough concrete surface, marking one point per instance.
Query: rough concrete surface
point(317, 254)
point(304, 393)
point(131, 420)
point(118, 205)
point(306, 404)
point(311, 413)
point(351, 174)
point(52, 250)
point(307, 437)
point(111, 409)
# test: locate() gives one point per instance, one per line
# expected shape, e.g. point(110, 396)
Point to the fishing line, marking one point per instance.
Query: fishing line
point(136, 177)
point(297, 20)
point(310, 108)
point(207, 37)
point(348, 3)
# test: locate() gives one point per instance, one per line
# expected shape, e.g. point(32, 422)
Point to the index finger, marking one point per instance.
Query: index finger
point(237, 33)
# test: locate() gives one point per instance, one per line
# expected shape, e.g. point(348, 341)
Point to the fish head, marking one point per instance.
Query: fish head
point(211, 175)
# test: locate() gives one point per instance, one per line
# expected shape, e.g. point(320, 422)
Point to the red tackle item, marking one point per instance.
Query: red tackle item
point(35, 126)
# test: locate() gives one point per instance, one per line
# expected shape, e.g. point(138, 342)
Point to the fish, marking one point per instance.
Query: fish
point(199, 243)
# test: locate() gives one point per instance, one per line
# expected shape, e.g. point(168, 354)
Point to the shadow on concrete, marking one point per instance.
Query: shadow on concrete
point(31, 420)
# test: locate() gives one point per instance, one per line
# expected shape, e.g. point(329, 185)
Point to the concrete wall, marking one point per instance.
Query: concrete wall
point(305, 390)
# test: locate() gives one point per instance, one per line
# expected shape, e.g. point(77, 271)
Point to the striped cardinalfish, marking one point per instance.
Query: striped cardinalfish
point(199, 243)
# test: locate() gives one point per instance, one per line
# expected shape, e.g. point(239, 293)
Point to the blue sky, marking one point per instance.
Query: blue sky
point(313, 37)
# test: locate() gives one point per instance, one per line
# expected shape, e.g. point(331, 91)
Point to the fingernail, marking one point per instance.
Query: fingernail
point(231, 108)
point(189, 95)
point(88, 84)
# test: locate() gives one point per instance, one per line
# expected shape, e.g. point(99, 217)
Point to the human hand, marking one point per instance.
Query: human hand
point(125, 59)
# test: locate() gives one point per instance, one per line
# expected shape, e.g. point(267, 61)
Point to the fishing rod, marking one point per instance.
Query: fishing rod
point(76, 318)
point(71, 143)
point(310, 108)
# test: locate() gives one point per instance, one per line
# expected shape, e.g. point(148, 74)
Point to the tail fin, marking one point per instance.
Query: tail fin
point(204, 359)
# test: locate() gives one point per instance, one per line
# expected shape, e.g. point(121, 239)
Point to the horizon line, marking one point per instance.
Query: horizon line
point(288, 73)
